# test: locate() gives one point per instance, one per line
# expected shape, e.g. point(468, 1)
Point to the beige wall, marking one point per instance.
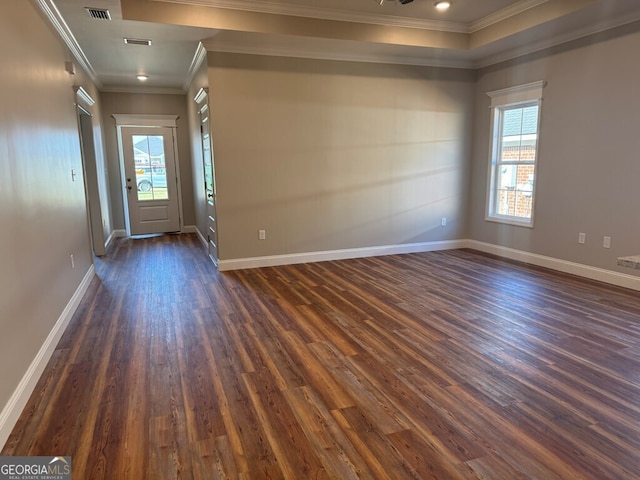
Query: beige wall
point(588, 155)
point(42, 212)
point(328, 155)
point(146, 104)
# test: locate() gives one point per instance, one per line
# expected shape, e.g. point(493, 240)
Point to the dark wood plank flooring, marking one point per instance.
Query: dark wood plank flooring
point(442, 365)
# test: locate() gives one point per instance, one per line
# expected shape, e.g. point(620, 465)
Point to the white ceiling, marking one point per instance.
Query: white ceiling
point(473, 33)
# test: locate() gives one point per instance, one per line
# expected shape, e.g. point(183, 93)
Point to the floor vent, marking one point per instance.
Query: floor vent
point(98, 13)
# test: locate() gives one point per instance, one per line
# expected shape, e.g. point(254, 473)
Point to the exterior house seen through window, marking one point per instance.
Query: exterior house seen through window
point(513, 158)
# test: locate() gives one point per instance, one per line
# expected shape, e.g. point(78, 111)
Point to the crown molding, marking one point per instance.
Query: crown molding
point(127, 120)
point(345, 55)
point(470, 62)
point(503, 14)
point(370, 18)
point(557, 40)
point(143, 90)
point(55, 18)
point(198, 58)
point(326, 14)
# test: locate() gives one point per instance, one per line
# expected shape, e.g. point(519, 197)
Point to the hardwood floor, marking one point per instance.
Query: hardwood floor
point(442, 365)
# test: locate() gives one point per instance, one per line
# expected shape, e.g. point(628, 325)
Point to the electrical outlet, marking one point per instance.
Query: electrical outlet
point(73, 263)
point(582, 238)
point(262, 234)
point(606, 242)
point(443, 222)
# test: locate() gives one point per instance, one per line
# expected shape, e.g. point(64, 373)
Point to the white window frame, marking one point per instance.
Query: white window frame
point(502, 100)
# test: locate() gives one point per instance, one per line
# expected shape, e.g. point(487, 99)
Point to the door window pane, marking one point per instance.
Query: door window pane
point(151, 174)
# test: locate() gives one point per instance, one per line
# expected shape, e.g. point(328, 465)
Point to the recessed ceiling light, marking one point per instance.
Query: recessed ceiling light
point(442, 5)
point(142, 78)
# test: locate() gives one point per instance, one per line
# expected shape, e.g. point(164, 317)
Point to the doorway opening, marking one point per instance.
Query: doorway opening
point(95, 222)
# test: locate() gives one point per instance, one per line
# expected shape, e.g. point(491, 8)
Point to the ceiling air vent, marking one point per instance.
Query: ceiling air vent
point(137, 41)
point(98, 13)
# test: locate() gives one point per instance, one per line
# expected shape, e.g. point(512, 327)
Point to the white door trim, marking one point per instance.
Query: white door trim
point(151, 121)
point(125, 120)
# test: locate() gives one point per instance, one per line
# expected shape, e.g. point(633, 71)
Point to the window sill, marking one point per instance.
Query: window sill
point(510, 221)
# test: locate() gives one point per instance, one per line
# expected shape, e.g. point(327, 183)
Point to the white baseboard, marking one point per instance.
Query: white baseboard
point(189, 229)
point(114, 234)
point(323, 256)
point(12, 410)
point(586, 271)
point(201, 237)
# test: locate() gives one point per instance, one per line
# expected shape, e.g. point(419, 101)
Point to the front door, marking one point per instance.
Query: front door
point(150, 172)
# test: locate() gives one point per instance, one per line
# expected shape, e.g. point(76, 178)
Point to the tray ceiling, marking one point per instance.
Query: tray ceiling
point(470, 34)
